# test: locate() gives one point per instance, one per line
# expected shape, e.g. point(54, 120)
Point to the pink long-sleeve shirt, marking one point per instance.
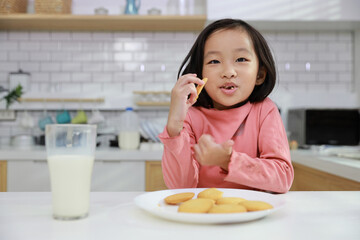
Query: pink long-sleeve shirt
point(260, 158)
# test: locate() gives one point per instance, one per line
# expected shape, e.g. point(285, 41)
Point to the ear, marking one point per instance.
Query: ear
point(261, 76)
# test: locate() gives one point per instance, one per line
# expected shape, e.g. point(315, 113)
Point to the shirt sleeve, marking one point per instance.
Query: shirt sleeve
point(272, 170)
point(179, 168)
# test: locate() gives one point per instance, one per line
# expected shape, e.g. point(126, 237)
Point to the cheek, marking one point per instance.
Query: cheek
point(210, 87)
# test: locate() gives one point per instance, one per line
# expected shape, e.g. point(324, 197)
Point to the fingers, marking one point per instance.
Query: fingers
point(206, 141)
point(185, 87)
point(197, 153)
point(227, 146)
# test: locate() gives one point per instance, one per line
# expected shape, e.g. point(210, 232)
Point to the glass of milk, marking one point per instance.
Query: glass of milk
point(70, 155)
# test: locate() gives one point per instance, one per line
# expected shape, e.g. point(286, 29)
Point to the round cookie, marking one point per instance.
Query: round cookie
point(179, 198)
point(256, 205)
point(210, 193)
point(229, 200)
point(227, 208)
point(198, 205)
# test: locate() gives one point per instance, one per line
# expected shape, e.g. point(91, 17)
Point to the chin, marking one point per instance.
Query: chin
point(229, 105)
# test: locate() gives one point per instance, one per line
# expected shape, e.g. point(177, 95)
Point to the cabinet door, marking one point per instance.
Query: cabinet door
point(28, 176)
point(33, 176)
point(3, 176)
point(310, 179)
point(287, 10)
point(118, 176)
point(154, 176)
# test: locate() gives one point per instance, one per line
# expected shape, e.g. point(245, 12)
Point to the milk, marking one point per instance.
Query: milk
point(129, 139)
point(70, 184)
point(129, 135)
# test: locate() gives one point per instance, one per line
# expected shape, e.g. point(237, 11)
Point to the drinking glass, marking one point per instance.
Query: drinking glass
point(70, 152)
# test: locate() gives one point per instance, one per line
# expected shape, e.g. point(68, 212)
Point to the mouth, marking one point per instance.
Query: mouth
point(229, 86)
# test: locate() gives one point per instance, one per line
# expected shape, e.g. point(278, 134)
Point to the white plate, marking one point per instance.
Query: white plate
point(153, 202)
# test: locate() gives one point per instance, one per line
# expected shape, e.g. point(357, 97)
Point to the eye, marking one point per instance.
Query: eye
point(213, 62)
point(241, 60)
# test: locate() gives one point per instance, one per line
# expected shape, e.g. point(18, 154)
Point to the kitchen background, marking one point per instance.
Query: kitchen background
point(316, 67)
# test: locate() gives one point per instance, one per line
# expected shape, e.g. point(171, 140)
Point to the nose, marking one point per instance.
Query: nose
point(228, 71)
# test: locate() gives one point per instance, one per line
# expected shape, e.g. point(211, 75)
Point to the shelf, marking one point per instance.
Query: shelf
point(159, 104)
point(66, 22)
point(304, 25)
point(80, 100)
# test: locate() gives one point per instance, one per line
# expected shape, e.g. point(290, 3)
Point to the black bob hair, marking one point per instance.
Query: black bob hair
point(193, 62)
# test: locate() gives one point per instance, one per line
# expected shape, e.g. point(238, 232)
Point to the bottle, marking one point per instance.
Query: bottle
point(129, 135)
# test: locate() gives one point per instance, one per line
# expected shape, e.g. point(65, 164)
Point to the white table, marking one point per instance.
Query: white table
point(306, 215)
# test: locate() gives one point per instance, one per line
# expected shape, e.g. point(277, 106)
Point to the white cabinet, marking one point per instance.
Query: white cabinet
point(290, 10)
point(118, 176)
point(28, 176)
point(33, 176)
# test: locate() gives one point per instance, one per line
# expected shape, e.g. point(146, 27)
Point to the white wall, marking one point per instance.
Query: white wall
point(315, 68)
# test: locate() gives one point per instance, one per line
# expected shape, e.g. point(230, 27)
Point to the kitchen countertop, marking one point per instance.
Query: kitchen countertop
point(101, 154)
point(306, 215)
point(343, 167)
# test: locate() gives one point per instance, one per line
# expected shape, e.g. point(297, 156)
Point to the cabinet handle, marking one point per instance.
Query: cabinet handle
point(39, 161)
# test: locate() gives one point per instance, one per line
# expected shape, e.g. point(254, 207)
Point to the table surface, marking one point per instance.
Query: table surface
point(113, 215)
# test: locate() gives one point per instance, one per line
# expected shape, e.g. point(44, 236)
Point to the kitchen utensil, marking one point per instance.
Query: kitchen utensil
point(154, 11)
point(80, 118)
point(27, 121)
point(44, 121)
point(96, 117)
point(177, 7)
point(47, 119)
point(132, 7)
point(70, 163)
point(63, 117)
point(19, 78)
point(22, 141)
point(101, 11)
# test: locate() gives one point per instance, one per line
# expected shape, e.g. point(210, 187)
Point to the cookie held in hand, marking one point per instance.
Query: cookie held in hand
point(199, 88)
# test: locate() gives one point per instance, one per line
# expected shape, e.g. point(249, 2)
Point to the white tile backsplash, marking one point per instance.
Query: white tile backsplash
point(121, 62)
point(7, 67)
point(40, 36)
point(29, 66)
point(18, 56)
point(3, 56)
point(29, 46)
point(8, 46)
point(18, 36)
point(81, 77)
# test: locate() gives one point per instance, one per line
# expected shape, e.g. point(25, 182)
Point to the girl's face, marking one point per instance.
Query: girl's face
point(231, 66)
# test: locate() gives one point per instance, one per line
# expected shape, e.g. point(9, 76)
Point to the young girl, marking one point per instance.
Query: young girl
point(231, 135)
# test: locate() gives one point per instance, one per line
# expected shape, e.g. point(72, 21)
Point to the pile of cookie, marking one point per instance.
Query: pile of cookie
point(211, 200)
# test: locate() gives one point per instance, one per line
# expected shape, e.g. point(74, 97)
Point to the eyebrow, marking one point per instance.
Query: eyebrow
point(236, 50)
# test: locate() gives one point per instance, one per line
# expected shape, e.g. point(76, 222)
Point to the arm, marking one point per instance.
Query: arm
point(272, 170)
point(179, 168)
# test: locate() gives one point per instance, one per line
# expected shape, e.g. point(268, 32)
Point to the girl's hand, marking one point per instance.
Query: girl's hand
point(207, 152)
point(180, 102)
